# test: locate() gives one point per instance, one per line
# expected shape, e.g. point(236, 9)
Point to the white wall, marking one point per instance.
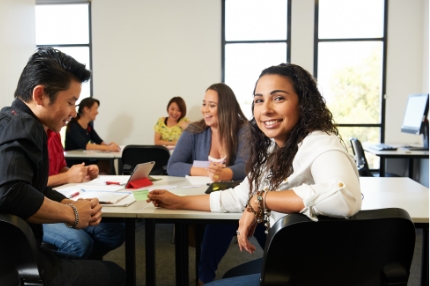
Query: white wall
point(17, 43)
point(146, 52)
point(407, 63)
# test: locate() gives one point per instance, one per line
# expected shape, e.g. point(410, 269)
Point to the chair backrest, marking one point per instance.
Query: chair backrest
point(19, 253)
point(136, 154)
point(360, 158)
point(374, 247)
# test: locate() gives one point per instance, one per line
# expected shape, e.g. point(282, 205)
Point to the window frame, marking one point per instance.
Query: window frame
point(384, 40)
point(89, 45)
point(224, 42)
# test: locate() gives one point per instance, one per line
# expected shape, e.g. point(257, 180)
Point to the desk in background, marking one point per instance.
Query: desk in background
point(97, 155)
point(399, 153)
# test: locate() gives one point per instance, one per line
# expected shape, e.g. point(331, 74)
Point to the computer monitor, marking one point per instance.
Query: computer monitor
point(415, 120)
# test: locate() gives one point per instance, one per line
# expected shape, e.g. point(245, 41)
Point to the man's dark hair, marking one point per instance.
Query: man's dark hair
point(51, 68)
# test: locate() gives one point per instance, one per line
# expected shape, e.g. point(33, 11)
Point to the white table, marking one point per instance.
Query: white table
point(399, 153)
point(378, 193)
point(97, 155)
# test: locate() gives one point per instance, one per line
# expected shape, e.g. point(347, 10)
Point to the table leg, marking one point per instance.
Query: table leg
point(112, 170)
point(411, 168)
point(130, 251)
point(119, 166)
point(425, 258)
point(382, 166)
point(181, 253)
point(150, 251)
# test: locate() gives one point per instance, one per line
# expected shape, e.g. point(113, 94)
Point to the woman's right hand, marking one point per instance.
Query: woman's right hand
point(164, 199)
point(215, 171)
point(114, 147)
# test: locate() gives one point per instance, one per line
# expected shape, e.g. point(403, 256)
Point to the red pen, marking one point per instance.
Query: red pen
point(74, 195)
point(113, 183)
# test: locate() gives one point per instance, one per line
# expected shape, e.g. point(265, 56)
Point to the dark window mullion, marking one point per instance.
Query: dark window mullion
point(351, 40)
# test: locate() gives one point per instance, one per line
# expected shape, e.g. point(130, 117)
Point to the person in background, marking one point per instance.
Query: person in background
point(45, 97)
point(59, 173)
point(93, 241)
point(220, 138)
point(293, 137)
point(169, 129)
point(80, 134)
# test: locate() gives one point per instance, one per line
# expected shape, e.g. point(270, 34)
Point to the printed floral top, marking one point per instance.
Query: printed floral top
point(171, 134)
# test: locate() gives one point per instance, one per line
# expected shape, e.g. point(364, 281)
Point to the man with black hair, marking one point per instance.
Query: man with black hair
point(47, 91)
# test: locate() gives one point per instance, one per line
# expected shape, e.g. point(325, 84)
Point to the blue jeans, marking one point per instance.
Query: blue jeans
point(244, 274)
point(216, 241)
point(91, 242)
point(248, 280)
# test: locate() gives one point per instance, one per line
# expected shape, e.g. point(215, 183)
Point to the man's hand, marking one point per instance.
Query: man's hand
point(77, 173)
point(93, 172)
point(85, 212)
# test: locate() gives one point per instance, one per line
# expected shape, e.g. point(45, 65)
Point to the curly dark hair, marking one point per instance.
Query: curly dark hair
point(314, 115)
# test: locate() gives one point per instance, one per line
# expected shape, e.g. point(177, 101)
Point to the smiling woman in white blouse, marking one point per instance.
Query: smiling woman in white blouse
point(298, 162)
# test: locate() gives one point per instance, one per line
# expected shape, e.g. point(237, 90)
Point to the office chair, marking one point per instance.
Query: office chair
point(361, 162)
point(19, 260)
point(136, 154)
point(374, 247)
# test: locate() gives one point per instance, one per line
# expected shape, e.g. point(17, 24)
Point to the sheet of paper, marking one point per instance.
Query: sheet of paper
point(141, 195)
point(123, 203)
point(70, 191)
point(101, 180)
point(201, 164)
point(104, 197)
point(101, 188)
point(198, 180)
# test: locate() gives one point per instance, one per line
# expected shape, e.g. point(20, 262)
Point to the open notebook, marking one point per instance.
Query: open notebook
point(105, 198)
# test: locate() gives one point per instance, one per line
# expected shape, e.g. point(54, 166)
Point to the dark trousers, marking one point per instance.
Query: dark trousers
point(216, 241)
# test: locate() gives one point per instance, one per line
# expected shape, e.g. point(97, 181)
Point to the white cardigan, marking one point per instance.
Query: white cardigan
point(325, 177)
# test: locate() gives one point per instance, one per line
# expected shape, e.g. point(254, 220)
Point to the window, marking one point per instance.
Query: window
point(66, 27)
point(350, 63)
point(256, 35)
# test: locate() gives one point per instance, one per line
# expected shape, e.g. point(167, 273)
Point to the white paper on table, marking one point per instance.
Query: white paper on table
point(68, 191)
point(98, 188)
point(101, 180)
point(107, 198)
point(123, 203)
point(198, 180)
point(163, 187)
point(201, 164)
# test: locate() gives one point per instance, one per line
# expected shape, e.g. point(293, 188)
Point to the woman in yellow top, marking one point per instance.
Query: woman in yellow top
point(169, 129)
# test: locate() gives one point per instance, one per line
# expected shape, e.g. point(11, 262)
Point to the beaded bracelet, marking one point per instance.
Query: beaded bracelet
point(267, 212)
point(258, 214)
point(76, 216)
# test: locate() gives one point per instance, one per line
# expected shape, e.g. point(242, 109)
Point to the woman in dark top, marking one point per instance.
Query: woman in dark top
point(80, 132)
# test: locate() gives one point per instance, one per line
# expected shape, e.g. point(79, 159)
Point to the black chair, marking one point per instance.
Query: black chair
point(361, 162)
point(19, 260)
point(136, 154)
point(374, 247)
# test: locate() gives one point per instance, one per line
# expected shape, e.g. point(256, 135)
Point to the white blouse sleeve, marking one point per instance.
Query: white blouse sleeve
point(230, 200)
point(336, 192)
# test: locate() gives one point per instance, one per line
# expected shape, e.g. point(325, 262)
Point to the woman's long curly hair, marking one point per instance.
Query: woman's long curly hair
point(314, 115)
